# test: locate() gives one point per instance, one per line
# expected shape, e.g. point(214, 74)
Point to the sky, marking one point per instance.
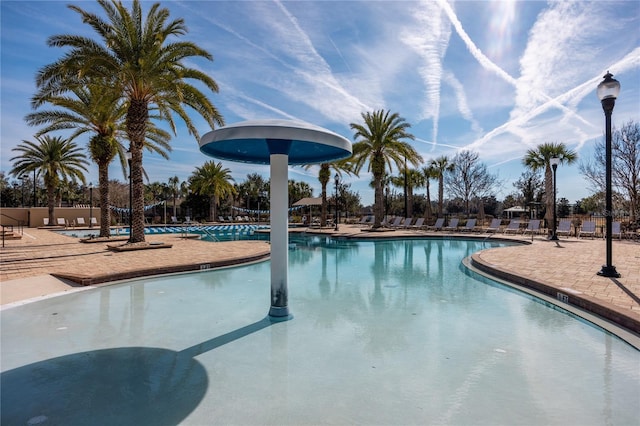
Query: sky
point(494, 77)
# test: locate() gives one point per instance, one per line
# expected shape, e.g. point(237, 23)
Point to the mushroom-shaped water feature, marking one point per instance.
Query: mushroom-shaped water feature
point(277, 143)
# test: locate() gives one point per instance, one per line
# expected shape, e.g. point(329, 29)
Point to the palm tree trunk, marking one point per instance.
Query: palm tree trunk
point(378, 206)
point(105, 213)
point(51, 199)
point(137, 116)
point(212, 208)
point(548, 189)
point(440, 194)
point(427, 210)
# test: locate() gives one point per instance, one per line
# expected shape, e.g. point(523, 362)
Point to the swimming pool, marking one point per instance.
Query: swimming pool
point(384, 332)
point(206, 232)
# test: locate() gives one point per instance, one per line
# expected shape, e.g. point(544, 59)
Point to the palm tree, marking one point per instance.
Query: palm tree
point(150, 72)
point(540, 158)
point(408, 180)
point(213, 180)
point(57, 159)
point(428, 173)
point(98, 109)
point(174, 189)
point(441, 165)
point(324, 177)
point(379, 143)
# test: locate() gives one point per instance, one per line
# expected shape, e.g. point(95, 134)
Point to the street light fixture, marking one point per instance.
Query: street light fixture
point(554, 164)
point(90, 204)
point(128, 156)
point(608, 91)
point(337, 180)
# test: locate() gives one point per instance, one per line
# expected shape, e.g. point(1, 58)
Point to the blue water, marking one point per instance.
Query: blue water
point(206, 232)
point(384, 332)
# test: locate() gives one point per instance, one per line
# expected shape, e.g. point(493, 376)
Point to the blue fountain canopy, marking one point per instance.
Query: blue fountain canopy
point(254, 141)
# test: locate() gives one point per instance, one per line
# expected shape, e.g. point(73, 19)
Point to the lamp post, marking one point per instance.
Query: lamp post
point(608, 91)
point(128, 155)
point(337, 180)
point(90, 204)
point(554, 164)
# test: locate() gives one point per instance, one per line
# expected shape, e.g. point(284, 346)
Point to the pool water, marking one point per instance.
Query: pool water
point(384, 332)
point(206, 232)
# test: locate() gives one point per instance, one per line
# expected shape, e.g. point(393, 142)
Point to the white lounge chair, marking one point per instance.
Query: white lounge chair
point(407, 222)
point(45, 221)
point(533, 226)
point(419, 223)
point(588, 228)
point(564, 228)
point(616, 230)
point(513, 226)
point(396, 222)
point(494, 226)
point(438, 225)
point(453, 224)
point(469, 226)
point(93, 221)
point(62, 222)
point(80, 221)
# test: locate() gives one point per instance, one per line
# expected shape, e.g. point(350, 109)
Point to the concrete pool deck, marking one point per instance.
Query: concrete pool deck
point(44, 263)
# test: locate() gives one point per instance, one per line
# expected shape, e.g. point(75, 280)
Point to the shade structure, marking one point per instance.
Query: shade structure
point(252, 142)
point(309, 201)
point(279, 143)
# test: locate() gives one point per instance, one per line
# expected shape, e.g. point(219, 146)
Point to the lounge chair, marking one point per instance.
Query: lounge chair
point(419, 223)
point(364, 220)
point(80, 221)
point(174, 219)
point(494, 226)
point(513, 226)
point(220, 219)
point(396, 222)
point(62, 222)
point(533, 226)
point(438, 225)
point(564, 228)
point(588, 228)
point(616, 230)
point(45, 221)
point(469, 226)
point(93, 221)
point(453, 225)
point(407, 222)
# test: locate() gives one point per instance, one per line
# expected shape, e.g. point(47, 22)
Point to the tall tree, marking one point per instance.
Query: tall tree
point(531, 188)
point(56, 158)
point(441, 165)
point(98, 109)
point(540, 158)
point(174, 189)
point(408, 180)
point(214, 181)
point(379, 143)
point(429, 173)
point(324, 177)
point(469, 178)
point(150, 71)
point(625, 158)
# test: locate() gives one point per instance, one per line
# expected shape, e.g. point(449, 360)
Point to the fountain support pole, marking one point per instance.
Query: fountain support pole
point(279, 163)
